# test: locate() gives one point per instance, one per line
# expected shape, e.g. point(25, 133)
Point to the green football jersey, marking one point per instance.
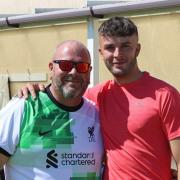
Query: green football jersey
point(46, 140)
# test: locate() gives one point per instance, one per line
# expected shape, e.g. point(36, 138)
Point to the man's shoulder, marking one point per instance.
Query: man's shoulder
point(15, 102)
point(161, 86)
point(15, 105)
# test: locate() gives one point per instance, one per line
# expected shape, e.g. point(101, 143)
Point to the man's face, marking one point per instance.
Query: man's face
point(70, 84)
point(119, 54)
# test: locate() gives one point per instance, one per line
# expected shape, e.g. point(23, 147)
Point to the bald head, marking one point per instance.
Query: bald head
point(70, 72)
point(72, 49)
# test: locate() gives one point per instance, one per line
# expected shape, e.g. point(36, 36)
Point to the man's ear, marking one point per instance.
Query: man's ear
point(50, 66)
point(100, 52)
point(90, 68)
point(51, 70)
point(138, 49)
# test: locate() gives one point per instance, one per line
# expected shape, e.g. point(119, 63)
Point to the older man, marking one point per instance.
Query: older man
point(57, 135)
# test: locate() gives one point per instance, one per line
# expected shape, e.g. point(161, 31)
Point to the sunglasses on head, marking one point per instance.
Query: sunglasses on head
point(65, 65)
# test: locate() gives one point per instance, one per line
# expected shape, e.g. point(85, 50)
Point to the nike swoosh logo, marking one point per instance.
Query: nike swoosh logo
point(42, 133)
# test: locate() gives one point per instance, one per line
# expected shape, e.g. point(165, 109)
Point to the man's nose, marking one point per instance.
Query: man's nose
point(73, 70)
point(117, 53)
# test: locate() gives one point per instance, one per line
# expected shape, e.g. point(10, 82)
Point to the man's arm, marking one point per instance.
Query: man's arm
point(175, 148)
point(3, 160)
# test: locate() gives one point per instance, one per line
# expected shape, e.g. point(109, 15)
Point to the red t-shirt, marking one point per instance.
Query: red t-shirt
point(138, 120)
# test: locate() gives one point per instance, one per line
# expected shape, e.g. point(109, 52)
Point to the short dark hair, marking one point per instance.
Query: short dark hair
point(117, 27)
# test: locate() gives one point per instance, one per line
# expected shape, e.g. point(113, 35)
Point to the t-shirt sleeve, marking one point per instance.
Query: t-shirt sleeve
point(170, 113)
point(10, 121)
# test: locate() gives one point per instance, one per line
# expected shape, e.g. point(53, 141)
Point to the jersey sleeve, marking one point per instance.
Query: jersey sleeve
point(170, 113)
point(10, 121)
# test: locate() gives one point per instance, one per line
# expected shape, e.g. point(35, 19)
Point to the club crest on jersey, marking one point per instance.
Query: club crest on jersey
point(91, 134)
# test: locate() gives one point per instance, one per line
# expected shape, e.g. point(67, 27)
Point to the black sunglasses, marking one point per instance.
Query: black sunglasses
point(65, 65)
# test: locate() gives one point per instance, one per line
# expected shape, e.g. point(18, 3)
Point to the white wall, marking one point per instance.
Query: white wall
point(26, 7)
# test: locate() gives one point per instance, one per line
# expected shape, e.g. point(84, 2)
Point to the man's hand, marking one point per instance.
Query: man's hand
point(175, 148)
point(174, 174)
point(30, 88)
point(3, 160)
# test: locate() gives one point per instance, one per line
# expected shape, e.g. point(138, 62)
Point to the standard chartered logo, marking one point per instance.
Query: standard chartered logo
point(69, 159)
point(77, 159)
point(52, 160)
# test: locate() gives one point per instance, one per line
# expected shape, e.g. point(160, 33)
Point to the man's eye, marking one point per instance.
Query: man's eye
point(126, 46)
point(109, 47)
